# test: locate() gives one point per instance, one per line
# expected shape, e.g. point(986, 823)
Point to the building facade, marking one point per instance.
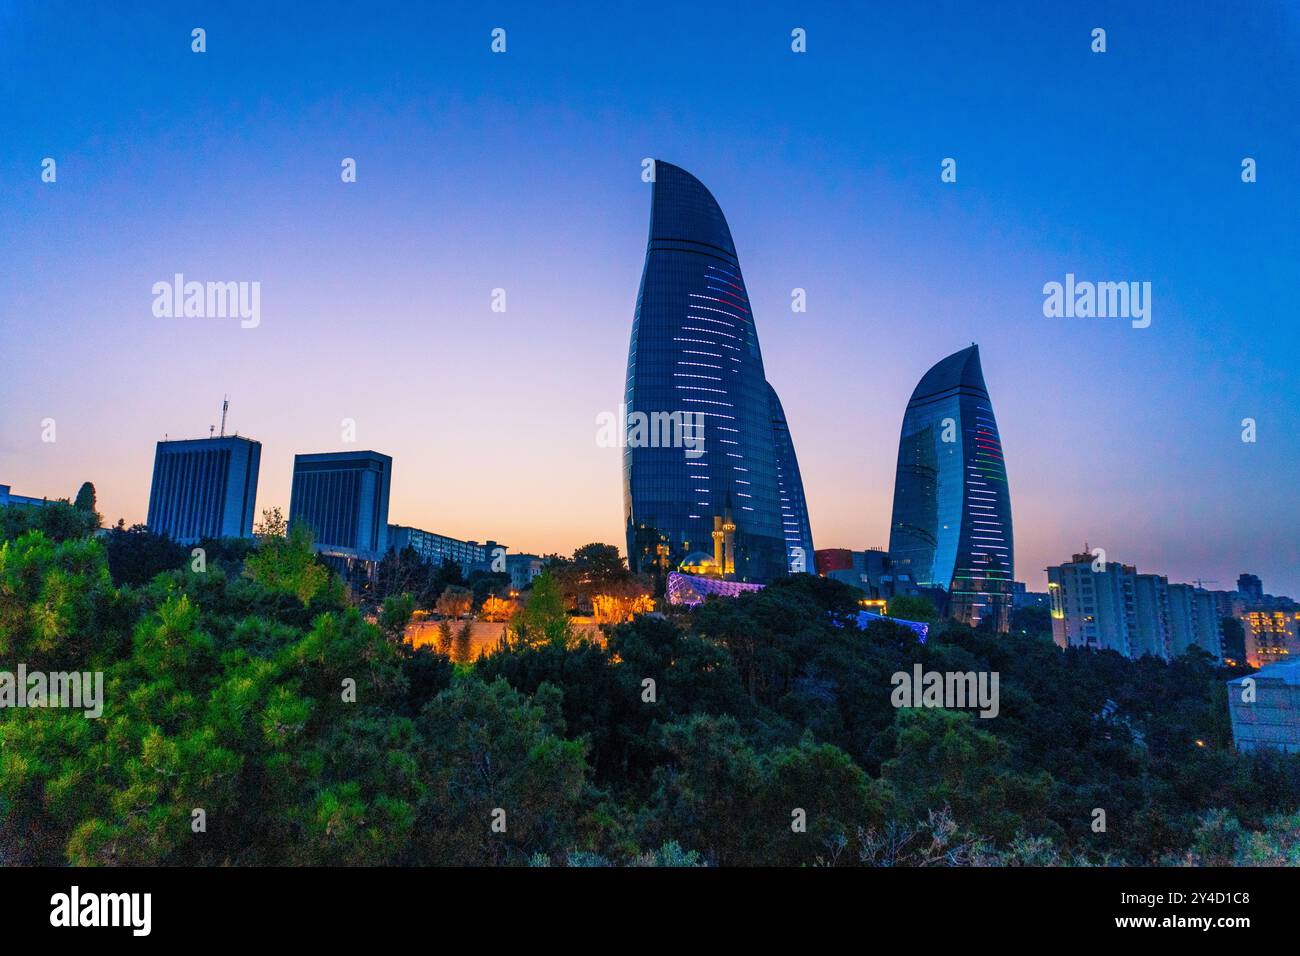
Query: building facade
point(437, 549)
point(869, 570)
point(523, 569)
point(8, 498)
point(1270, 623)
point(951, 524)
point(204, 488)
point(1272, 634)
point(1151, 615)
point(1193, 620)
point(1022, 597)
point(1265, 708)
point(343, 497)
point(1105, 605)
point(1093, 605)
point(795, 526)
point(694, 354)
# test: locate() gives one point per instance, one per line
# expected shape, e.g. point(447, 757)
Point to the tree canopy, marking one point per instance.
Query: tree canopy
point(257, 711)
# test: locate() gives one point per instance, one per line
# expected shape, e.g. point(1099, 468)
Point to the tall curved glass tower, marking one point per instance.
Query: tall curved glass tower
point(694, 359)
point(951, 525)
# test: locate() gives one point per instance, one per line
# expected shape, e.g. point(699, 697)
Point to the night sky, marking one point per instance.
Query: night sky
point(522, 171)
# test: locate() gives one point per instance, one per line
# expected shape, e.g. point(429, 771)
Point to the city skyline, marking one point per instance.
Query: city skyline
point(376, 295)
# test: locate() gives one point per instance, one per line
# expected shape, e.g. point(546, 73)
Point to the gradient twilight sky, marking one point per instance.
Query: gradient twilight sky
point(522, 171)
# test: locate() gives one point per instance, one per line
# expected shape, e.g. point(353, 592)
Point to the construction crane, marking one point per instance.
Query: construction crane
point(1200, 582)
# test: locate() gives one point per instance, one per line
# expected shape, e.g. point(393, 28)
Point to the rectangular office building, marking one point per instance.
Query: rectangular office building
point(343, 497)
point(204, 488)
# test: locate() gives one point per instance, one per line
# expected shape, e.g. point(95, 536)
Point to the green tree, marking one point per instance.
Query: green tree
point(492, 755)
point(1221, 840)
point(394, 617)
point(705, 793)
point(455, 602)
point(136, 555)
point(1032, 620)
point(543, 618)
point(56, 520)
point(288, 565)
point(58, 608)
point(912, 607)
point(594, 569)
point(462, 646)
point(812, 798)
point(85, 501)
point(486, 584)
point(943, 760)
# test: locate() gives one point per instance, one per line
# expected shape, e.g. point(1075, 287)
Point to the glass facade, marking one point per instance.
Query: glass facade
point(204, 488)
point(951, 525)
point(343, 498)
point(694, 354)
point(789, 485)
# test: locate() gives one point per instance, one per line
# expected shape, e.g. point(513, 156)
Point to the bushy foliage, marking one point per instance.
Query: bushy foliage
point(257, 712)
point(57, 520)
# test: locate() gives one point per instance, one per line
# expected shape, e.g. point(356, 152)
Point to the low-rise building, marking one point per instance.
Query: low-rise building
point(1265, 708)
point(7, 498)
point(437, 549)
point(1022, 597)
point(870, 570)
point(523, 568)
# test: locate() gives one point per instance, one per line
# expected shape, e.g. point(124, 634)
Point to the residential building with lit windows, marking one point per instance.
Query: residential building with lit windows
point(1110, 606)
point(204, 488)
point(951, 524)
point(1272, 635)
point(343, 497)
point(1093, 606)
point(1271, 624)
point(733, 506)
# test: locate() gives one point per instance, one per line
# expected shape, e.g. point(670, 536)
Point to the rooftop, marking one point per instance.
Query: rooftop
point(1285, 672)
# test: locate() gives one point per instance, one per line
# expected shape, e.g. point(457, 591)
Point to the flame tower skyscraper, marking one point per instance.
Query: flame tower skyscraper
point(951, 526)
point(694, 358)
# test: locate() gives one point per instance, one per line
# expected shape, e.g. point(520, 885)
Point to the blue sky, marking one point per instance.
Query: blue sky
point(522, 171)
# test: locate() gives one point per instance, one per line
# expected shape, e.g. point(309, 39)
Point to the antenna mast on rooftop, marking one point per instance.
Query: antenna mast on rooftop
point(225, 406)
